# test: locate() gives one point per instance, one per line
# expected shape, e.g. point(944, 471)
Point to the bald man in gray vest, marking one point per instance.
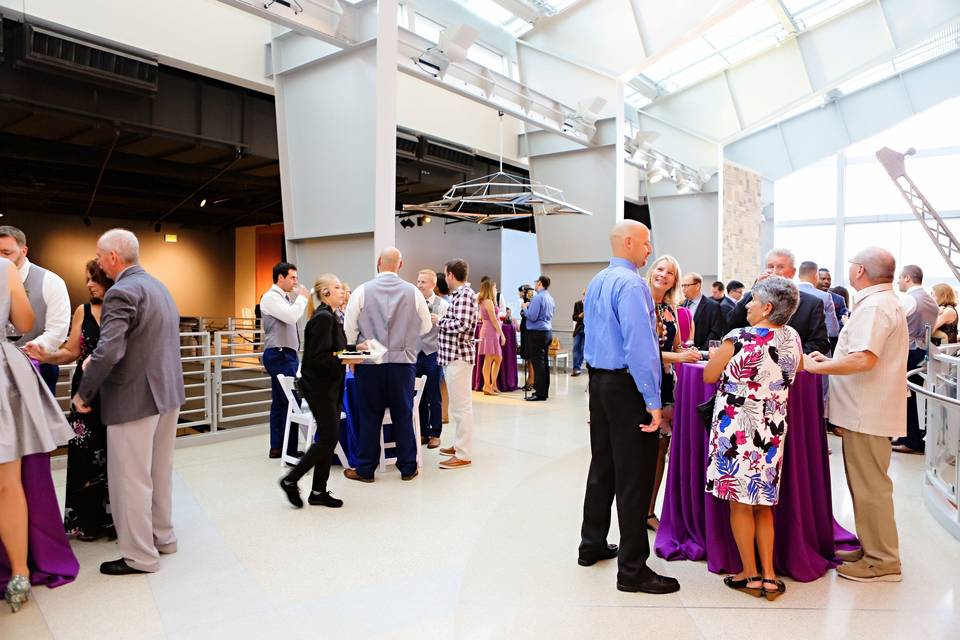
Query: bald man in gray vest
point(394, 313)
point(48, 297)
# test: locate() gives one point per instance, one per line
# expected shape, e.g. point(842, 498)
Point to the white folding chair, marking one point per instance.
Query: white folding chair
point(385, 460)
point(299, 413)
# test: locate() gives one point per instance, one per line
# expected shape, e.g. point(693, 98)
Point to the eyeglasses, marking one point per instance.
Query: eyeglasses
point(684, 286)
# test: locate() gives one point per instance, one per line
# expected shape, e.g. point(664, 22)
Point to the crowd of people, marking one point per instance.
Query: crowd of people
point(631, 332)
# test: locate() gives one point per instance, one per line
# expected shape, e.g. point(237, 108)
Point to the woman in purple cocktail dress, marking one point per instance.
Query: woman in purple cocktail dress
point(30, 423)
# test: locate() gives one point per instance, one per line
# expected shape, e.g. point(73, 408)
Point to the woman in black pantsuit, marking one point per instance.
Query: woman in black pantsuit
point(322, 374)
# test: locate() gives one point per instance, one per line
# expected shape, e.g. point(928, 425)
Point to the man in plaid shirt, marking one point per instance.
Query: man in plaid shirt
point(456, 349)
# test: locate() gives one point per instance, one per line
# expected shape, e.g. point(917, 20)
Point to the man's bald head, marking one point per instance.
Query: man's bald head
point(630, 240)
point(871, 266)
point(390, 260)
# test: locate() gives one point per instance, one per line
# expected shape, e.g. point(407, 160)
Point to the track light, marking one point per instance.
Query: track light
point(203, 202)
point(584, 119)
point(407, 223)
point(453, 46)
point(657, 171)
point(427, 219)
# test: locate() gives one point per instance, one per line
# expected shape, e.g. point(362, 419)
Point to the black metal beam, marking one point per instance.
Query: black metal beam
point(96, 185)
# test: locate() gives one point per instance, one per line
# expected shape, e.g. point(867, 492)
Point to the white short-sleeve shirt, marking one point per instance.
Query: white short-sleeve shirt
point(873, 402)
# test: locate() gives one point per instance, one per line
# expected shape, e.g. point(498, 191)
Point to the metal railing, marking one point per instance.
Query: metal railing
point(227, 388)
point(938, 403)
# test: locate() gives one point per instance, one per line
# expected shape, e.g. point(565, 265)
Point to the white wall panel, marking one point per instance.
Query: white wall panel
point(861, 112)
point(663, 23)
point(205, 36)
point(431, 109)
point(762, 85)
point(566, 82)
point(601, 34)
point(764, 152)
point(672, 220)
point(705, 108)
point(686, 148)
point(934, 82)
point(845, 44)
point(814, 136)
point(913, 20)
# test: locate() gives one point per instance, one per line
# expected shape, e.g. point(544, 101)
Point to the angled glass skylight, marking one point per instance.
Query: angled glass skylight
point(809, 13)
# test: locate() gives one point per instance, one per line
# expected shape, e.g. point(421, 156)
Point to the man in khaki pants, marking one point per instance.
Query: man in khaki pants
point(868, 404)
point(137, 371)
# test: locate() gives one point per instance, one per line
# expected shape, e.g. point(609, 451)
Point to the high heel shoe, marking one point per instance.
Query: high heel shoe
point(772, 594)
point(18, 592)
point(741, 585)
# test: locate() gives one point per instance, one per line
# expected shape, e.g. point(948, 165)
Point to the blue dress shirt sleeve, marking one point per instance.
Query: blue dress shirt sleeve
point(534, 309)
point(640, 345)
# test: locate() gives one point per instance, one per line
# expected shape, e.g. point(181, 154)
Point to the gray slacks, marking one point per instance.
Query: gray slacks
point(140, 468)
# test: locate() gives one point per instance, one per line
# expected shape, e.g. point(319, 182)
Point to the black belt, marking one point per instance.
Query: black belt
point(612, 372)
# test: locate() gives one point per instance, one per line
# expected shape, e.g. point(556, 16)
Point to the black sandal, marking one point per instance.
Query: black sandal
point(651, 528)
point(741, 585)
point(771, 594)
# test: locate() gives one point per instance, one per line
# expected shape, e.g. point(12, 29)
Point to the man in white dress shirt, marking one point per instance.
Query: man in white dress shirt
point(431, 403)
point(48, 296)
point(281, 342)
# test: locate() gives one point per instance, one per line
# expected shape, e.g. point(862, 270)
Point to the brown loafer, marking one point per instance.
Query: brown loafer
point(351, 474)
point(902, 448)
point(433, 443)
point(411, 476)
point(454, 463)
point(448, 451)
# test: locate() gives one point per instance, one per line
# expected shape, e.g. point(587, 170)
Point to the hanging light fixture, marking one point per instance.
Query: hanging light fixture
point(498, 197)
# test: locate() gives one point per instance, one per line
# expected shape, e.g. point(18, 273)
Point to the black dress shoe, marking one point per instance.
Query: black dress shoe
point(293, 493)
point(655, 584)
point(590, 559)
point(324, 499)
point(411, 476)
point(535, 398)
point(119, 568)
point(274, 453)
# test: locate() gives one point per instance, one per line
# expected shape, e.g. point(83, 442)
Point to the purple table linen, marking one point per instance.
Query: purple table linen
point(696, 525)
point(51, 560)
point(507, 378)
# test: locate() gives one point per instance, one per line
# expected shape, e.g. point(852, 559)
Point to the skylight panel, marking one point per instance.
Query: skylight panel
point(489, 11)
point(809, 13)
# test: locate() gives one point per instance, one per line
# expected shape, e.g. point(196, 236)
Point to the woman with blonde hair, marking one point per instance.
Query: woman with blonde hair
point(945, 331)
point(322, 375)
point(664, 277)
point(491, 337)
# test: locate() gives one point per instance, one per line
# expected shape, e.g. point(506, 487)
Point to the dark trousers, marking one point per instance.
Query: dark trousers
point(278, 362)
point(622, 466)
point(324, 399)
point(50, 373)
point(431, 404)
point(578, 339)
point(382, 387)
point(914, 438)
point(538, 344)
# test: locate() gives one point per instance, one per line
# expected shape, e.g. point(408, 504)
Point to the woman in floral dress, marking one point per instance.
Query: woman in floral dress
point(87, 506)
point(755, 367)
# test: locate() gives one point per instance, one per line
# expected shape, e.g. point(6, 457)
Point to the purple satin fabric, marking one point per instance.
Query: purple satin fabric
point(50, 558)
point(695, 525)
point(507, 379)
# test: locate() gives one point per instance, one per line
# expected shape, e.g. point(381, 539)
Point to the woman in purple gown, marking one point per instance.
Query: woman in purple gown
point(31, 425)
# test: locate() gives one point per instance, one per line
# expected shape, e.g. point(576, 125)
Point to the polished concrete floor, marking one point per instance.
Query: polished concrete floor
point(484, 552)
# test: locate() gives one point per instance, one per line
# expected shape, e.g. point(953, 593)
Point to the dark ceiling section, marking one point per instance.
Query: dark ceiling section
point(427, 167)
point(92, 131)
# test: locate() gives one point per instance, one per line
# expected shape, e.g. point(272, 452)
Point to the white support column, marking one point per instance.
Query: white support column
point(336, 127)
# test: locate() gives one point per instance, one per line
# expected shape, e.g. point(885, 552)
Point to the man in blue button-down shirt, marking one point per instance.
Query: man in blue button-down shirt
point(539, 314)
point(623, 356)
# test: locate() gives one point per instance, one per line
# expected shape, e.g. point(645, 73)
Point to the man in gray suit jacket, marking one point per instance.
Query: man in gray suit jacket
point(136, 368)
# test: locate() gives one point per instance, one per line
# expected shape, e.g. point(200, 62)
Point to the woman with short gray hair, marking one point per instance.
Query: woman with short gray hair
point(755, 366)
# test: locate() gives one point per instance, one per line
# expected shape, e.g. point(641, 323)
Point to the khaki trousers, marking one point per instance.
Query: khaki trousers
point(459, 375)
point(866, 459)
point(140, 471)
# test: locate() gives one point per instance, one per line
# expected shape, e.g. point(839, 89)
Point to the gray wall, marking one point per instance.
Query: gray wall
point(686, 228)
point(432, 245)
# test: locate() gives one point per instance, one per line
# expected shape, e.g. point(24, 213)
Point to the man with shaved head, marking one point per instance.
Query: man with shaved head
point(623, 359)
point(394, 313)
point(868, 405)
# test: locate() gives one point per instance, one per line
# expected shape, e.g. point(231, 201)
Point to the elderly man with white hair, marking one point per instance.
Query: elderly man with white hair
point(809, 319)
point(136, 369)
point(868, 404)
